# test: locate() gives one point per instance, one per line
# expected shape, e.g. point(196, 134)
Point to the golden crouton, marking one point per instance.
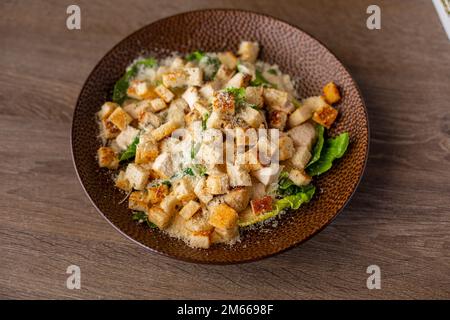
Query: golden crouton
point(200, 239)
point(175, 79)
point(223, 216)
point(331, 93)
point(157, 104)
point(170, 204)
point(165, 130)
point(262, 205)
point(184, 190)
point(325, 116)
point(248, 51)
point(277, 119)
point(223, 102)
point(299, 177)
point(120, 118)
point(223, 75)
point(157, 193)
point(122, 182)
point(238, 198)
point(306, 110)
point(252, 117)
point(138, 201)
point(137, 176)
point(254, 95)
point(140, 90)
point(201, 192)
point(198, 222)
point(301, 157)
point(228, 59)
point(106, 110)
point(192, 117)
point(217, 183)
point(159, 217)
point(220, 235)
point(107, 158)
point(164, 93)
point(275, 97)
point(108, 130)
point(146, 152)
point(189, 209)
point(286, 148)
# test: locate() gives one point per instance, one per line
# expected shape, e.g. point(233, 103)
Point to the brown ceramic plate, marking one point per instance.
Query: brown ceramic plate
point(297, 54)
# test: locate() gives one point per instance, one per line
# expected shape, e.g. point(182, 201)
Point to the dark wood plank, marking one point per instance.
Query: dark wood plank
point(399, 219)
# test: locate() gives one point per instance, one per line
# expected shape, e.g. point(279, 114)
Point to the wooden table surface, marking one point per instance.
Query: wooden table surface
point(399, 219)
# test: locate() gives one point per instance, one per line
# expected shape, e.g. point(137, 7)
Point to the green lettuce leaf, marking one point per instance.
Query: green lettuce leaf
point(131, 150)
point(318, 146)
point(333, 148)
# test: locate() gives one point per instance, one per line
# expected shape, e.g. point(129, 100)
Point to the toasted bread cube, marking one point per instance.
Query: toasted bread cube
point(170, 204)
point(223, 75)
point(146, 151)
point(254, 95)
point(303, 135)
point(201, 109)
point(126, 137)
point(223, 102)
point(262, 205)
point(299, 177)
point(331, 93)
point(238, 198)
point(189, 209)
point(107, 158)
point(184, 190)
point(220, 235)
point(239, 80)
point(177, 64)
point(122, 182)
point(200, 240)
point(248, 51)
point(108, 130)
point(252, 162)
point(207, 91)
point(223, 216)
point(191, 96)
point(132, 109)
point(162, 166)
point(157, 193)
point(267, 175)
point(137, 176)
point(259, 190)
point(277, 119)
point(238, 176)
point(140, 90)
point(120, 118)
point(157, 104)
point(201, 192)
point(164, 93)
point(251, 116)
point(175, 79)
point(106, 110)
point(194, 76)
point(325, 116)
point(286, 148)
point(159, 217)
point(275, 97)
point(306, 110)
point(199, 222)
point(301, 157)
point(165, 130)
point(191, 117)
point(217, 183)
point(148, 118)
point(138, 201)
point(214, 121)
point(176, 112)
point(228, 59)
point(288, 108)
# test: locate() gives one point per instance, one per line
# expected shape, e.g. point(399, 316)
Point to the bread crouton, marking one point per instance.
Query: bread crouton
point(223, 216)
point(137, 176)
point(157, 105)
point(217, 183)
point(106, 110)
point(122, 182)
point(159, 217)
point(238, 176)
point(126, 137)
point(200, 239)
point(303, 135)
point(267, 175)
point(155, 194)
point(162, 166)
point(299, 177)
point(325, 116)
point(238, 198)
point(165, 130)
point(214, 121)
point(252, 117)
point(164, 93)
point(301, 157)
point(194, 76)
point(107, 158)
point(207, 91)
point(248, 51)
point(191, 96)
point(189, 209)
point(277, 119)
point(175, 79)
point(286, 148)
point(120, 118)
point(108, 130)
point(184, 190)
point(201, 192)
point(275, 97)
point(331, 93)
point(223, 75)
point(228, 59)
point(199, 222)
point(223, 102)
point(306, 110)
point(170, 204)
point(262, 205)
point(239, 80)
point(220, 235)
point(254, 95)
point(138, 201)
point(140, 90)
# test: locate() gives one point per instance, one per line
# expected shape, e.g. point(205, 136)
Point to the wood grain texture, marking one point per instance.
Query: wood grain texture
point(399, 218)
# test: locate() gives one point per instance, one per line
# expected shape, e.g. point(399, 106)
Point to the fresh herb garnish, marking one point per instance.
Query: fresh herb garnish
point(205, 121)
point(196, 55)
point(195, 170)
point(238, 94)
point(121, 86)
point(261, 81)
point(141, 217)
point(131, 150)
point(189, 172)
point(272, 71)
point(194, 149)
